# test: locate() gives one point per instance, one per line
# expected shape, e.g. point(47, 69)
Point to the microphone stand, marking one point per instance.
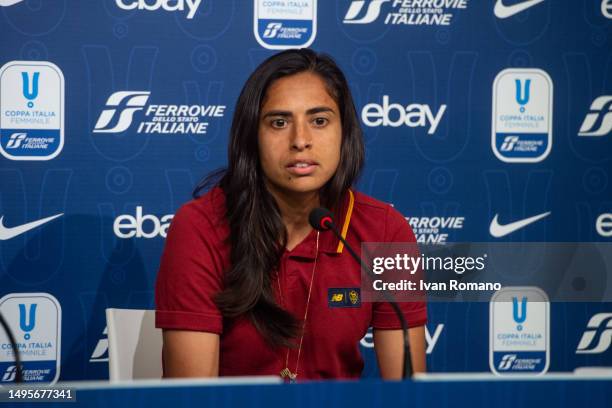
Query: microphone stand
point(9, 333)
point(407, 370)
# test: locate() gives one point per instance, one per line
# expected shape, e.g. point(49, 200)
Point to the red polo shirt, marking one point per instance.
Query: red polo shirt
point(196, 256)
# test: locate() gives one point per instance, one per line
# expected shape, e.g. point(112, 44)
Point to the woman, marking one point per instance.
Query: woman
point(246, 286)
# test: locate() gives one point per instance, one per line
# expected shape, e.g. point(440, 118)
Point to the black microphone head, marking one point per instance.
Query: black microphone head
point(320, 218)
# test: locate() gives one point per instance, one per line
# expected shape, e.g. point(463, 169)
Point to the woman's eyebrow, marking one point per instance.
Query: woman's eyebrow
point(277, 113)
point(311, 111)
point(319, 109)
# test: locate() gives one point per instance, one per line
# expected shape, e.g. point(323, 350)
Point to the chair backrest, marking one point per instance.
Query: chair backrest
point(134, 344)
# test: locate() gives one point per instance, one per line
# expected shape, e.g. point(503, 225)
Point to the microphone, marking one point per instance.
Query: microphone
point(322, 219)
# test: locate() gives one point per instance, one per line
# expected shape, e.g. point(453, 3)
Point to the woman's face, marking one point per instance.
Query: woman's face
point(299, 134)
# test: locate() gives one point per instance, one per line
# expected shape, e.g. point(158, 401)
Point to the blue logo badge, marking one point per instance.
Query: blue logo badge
point(519, 342)
point(36, 319)
point(31, 110)
point(282, 25)
point(522, 115)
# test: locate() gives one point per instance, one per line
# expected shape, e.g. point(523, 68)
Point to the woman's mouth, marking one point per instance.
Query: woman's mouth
point(302, 168)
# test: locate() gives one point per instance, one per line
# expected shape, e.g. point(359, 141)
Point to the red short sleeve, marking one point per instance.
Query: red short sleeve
point(383, 316)
point(190, 274)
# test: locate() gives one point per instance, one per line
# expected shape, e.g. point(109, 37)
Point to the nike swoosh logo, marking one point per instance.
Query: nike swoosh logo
point(8, 233)
point(6, 3)
point(502, 11)
point(499, 231)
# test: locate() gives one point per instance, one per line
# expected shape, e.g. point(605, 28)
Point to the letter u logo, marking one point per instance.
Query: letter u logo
point(30, 94)
point(519, 316)
point(522, 93)
point(29, 326)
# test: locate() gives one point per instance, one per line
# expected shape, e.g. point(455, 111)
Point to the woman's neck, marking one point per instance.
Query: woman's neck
point(295, 209)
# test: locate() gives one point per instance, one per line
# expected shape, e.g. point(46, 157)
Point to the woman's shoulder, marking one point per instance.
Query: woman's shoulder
point(208, 208)
point(372, 207)
point(378, 217)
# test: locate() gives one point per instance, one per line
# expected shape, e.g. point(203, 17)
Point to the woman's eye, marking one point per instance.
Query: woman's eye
point(321, 121)
point(279, 123)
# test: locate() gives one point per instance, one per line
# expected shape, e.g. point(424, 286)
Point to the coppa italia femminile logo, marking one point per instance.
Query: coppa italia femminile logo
point(280, 24)
point(404, 12)
point(31, 110)
point(121, 107)
point(36, 320)
point(519, 331)
point(522, 115)
point(434, 230)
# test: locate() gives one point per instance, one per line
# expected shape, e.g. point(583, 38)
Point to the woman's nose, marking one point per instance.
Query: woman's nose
point(301, 137)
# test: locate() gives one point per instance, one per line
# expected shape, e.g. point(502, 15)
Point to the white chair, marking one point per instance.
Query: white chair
point(134, 345)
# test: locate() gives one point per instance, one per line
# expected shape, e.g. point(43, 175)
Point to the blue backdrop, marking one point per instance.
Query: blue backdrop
point(112, 110)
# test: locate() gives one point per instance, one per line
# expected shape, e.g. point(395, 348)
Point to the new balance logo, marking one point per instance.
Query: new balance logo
point(371, 14)
point(272, 30)
point(598, 337)
point(122, 104)
point(15, 140)
point(598, 122)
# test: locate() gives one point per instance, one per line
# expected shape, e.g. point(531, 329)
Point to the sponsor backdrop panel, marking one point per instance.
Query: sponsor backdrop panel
point(484, 121)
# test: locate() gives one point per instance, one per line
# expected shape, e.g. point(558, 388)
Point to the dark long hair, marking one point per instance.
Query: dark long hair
point(257, 233)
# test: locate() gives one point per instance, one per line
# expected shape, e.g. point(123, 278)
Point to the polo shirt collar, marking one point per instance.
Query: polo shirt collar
point(328, 243)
